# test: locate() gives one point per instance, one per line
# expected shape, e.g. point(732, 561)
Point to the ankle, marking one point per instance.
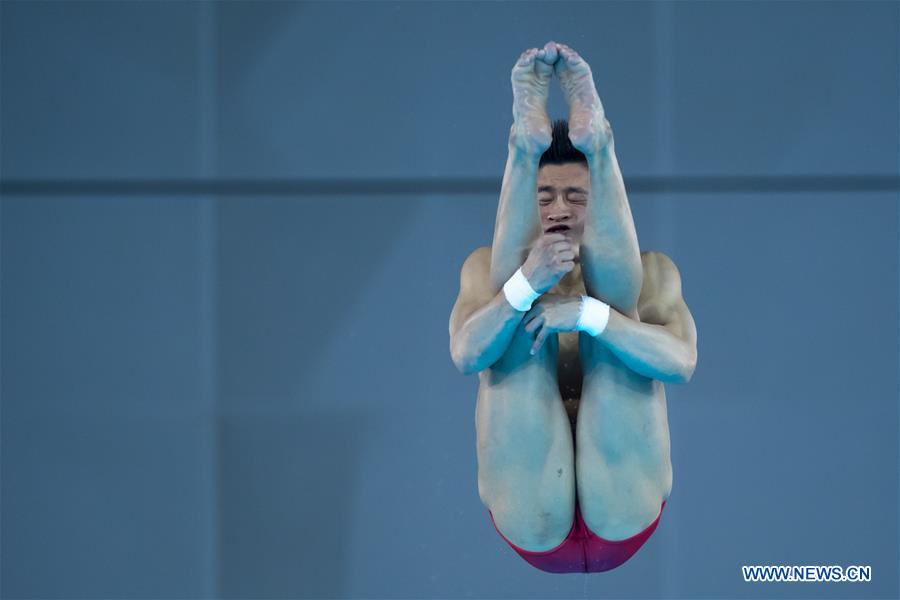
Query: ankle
point(524, 149)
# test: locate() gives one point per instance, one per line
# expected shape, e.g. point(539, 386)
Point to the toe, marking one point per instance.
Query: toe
point(527, 57)
point(542, 66)
point(551, 53)
point(543, 70)
point(570, 55)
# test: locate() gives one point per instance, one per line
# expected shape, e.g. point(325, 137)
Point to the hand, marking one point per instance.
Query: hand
point(551, 258)
point(552, 313)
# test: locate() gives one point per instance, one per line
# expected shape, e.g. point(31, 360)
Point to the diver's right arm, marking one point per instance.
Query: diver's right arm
point(481, 339)
point(483, 321)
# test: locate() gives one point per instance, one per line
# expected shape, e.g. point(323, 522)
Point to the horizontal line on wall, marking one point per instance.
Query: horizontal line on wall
point(436, 185)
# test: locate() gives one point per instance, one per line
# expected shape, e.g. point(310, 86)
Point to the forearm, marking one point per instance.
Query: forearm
point(610, 255)
point(650, 350)
point(485, 335)
point(518, 221)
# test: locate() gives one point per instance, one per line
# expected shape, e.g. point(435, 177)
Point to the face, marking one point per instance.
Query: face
point(563, 192)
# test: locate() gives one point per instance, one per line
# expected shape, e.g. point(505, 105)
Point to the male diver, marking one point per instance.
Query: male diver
point(564, 314)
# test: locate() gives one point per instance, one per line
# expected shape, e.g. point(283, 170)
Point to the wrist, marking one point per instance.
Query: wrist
point(518, 291)
point(593, 316)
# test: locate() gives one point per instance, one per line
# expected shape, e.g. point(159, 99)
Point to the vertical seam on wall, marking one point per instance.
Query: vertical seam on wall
point(207, 162)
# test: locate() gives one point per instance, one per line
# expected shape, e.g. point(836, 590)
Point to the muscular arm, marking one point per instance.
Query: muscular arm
point(663, 344)
point(652, 350)
point(481, 325)
point(482, 339)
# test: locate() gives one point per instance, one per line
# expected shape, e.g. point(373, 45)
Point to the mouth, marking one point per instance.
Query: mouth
point(557, 228)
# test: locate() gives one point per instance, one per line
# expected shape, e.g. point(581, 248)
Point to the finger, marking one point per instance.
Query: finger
point(535, 311)
point(551, 238)
point(529, 323)
point(566, 255)
point(534, 324)
point(561, 260)
point(539, 340)
point(561, 245)
point(544, 333)
point(567, 265)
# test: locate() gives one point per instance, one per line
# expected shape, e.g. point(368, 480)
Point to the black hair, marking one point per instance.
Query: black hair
point(561, 150)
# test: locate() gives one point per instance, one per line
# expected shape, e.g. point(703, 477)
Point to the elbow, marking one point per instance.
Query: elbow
point(461, 359)
point(682, 377)
point(458, 361)
point(466, 367)
point(686, 372)
point(463, 366)
point(681, 370)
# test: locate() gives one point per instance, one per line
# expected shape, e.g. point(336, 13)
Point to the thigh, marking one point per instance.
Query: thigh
point(621, 446)
point(526, 463)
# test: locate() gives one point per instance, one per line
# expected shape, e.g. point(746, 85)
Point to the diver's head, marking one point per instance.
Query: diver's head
point(563, 186)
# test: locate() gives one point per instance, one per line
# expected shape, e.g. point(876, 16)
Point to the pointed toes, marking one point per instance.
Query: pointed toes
point(551, 53)
point(568, 54)
point(527, 57)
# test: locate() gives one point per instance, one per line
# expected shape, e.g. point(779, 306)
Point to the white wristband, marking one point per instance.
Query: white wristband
point(519, 292)
point(594, 316)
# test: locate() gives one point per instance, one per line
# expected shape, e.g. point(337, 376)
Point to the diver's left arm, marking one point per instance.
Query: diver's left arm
point(665, 351)
point(661, 345)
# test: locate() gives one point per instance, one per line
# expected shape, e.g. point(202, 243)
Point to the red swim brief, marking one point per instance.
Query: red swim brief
point(583, 551)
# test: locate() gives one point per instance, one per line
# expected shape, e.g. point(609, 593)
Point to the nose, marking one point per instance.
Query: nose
point(560, 210)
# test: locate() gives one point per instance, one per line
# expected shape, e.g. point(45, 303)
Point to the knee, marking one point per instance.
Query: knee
point(535, 529)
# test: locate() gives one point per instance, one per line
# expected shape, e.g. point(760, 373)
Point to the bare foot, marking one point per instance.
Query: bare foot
point(588, 128)
point(531, 131)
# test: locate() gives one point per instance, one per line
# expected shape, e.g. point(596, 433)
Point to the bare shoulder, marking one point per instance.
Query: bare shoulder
point(655, 258)
point(661, 302)
point(660, 272)
point(661, 293)
point(475, 275)
point(478, 257)
point(473, 286)
point(476, 269)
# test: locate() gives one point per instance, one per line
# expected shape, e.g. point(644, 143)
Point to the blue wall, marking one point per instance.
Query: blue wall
point(230, 240)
